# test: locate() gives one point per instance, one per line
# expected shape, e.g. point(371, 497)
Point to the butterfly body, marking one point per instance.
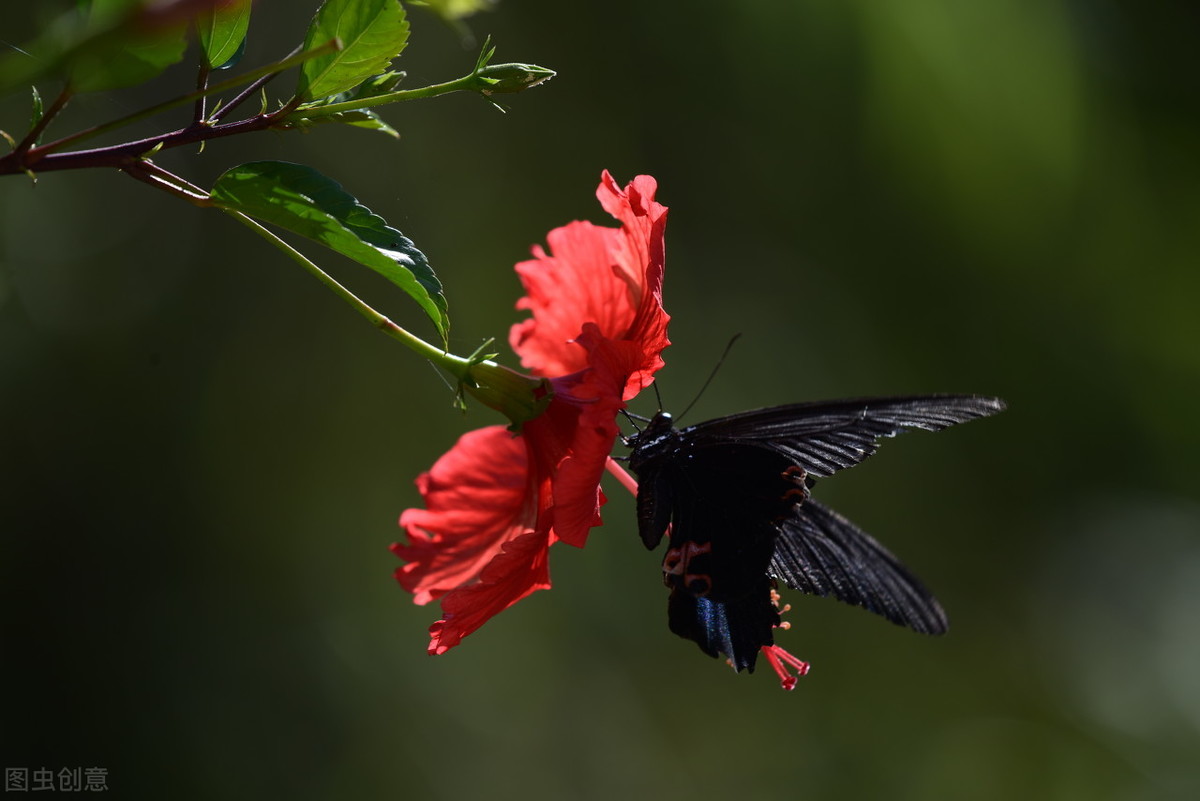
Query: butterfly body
point(732, 497)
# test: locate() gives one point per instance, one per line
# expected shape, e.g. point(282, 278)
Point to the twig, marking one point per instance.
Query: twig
point(202, 101)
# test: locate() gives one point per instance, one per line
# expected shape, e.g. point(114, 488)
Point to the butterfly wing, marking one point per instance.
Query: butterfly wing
point(732, 493)
point(737, 627)
point(819, 552)
point(826, 436)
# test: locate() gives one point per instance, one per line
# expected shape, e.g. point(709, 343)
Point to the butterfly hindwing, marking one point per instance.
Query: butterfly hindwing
point(819, 552)
point(737, 628)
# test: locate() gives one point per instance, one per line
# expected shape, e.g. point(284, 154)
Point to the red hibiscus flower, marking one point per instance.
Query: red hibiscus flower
point(496, 502)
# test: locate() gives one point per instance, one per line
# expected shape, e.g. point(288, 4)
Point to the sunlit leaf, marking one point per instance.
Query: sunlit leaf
point(222, 33)
point(452, 10)
point(303, 201)
point(372, 33)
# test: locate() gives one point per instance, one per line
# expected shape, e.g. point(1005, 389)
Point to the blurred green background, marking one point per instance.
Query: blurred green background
point(203, 452)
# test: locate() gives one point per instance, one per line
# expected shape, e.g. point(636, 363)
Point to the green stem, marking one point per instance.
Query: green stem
point(456, 365)
point(467, 83)
point(519, 397)
point(237, 80)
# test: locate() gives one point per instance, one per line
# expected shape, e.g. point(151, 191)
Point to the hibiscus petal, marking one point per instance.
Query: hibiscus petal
point(573, 284)
point(640, 249)
point(609, 277)
point(598, 395)
point(518, 570)
point(643, 243)
point(478, 496)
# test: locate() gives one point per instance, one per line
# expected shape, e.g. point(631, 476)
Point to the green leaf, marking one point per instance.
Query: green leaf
point(222, 33)
point(303, 201)
point(375, 86)
point(360, 118)
point(131, 46)
point(21, 66)
point(453, 10)
point(117, 43)
point(372, 32)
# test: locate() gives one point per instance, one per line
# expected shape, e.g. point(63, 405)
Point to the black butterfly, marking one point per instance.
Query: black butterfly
point(734, 495)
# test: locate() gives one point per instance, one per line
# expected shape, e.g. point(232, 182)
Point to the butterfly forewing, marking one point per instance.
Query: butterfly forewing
point(826, 436)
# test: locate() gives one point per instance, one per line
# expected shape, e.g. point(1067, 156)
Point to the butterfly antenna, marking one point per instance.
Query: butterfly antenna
point(710, 378)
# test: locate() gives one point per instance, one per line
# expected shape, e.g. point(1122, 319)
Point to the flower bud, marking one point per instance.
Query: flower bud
point(507, 78)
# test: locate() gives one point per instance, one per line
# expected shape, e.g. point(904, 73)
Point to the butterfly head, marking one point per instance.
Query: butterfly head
point(659, 435)
point(661, 423)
